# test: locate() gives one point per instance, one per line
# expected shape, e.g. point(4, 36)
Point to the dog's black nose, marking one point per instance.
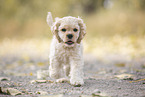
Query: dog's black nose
point(70, 36)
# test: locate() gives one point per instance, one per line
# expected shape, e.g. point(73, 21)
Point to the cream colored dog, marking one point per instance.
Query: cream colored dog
point(66, 52)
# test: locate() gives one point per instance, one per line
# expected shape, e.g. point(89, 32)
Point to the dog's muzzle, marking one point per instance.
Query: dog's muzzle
point(69, 42)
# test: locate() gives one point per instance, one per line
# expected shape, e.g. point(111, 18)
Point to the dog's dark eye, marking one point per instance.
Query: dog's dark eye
point(63, 29)
point(75, 30)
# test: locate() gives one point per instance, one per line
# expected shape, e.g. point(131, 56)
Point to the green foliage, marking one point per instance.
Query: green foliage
point(27, 18)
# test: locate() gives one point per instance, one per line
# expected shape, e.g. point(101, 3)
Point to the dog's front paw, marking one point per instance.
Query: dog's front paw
point(77, 82)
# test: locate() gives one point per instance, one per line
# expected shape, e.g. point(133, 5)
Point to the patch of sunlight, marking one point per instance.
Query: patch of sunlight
point(116, 45)
point(25, 48)
point(101, 47)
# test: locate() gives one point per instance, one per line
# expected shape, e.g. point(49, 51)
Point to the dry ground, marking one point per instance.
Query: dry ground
point(109, 74)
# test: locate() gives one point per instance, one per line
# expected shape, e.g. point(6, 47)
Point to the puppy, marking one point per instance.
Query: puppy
point(66, 51)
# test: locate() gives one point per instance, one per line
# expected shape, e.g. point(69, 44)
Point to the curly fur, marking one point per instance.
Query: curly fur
point(66, 61)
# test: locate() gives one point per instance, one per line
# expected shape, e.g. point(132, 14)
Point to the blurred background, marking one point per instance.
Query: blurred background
point(114, 28)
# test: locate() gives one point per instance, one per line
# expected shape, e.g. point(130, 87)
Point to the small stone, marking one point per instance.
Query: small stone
point(119, 87)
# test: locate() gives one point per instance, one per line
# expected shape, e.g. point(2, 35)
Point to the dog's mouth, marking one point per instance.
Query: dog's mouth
point(69, 42)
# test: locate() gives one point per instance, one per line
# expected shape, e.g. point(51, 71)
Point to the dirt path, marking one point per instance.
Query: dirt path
point(103, 78)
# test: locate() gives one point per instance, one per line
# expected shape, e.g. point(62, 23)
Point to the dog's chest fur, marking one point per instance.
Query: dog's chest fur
point(64, 54)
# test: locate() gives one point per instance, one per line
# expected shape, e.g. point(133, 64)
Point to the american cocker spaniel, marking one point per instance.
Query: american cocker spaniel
point(66, 49)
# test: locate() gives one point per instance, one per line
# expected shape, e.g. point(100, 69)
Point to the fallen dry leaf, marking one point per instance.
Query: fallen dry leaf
point(32, 81)
point(137, 80)
point(125, 76)
point(42, 92)
point(31, 74)
point(4, 79)
point(3, 90)
point(59, 95)
point(41, 81)
point(50, 81)
point(10, 91)
point(40, 64)
point(100, 95)
point(120, 65)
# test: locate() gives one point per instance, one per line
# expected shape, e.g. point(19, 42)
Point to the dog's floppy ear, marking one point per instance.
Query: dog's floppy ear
point(82, 30)
point(54, 25)
point(54, 30)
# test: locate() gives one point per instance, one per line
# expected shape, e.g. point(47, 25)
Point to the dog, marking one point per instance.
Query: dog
point(66, 49)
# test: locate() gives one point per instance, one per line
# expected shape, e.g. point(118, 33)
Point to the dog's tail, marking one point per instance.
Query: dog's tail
point(49, 19)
